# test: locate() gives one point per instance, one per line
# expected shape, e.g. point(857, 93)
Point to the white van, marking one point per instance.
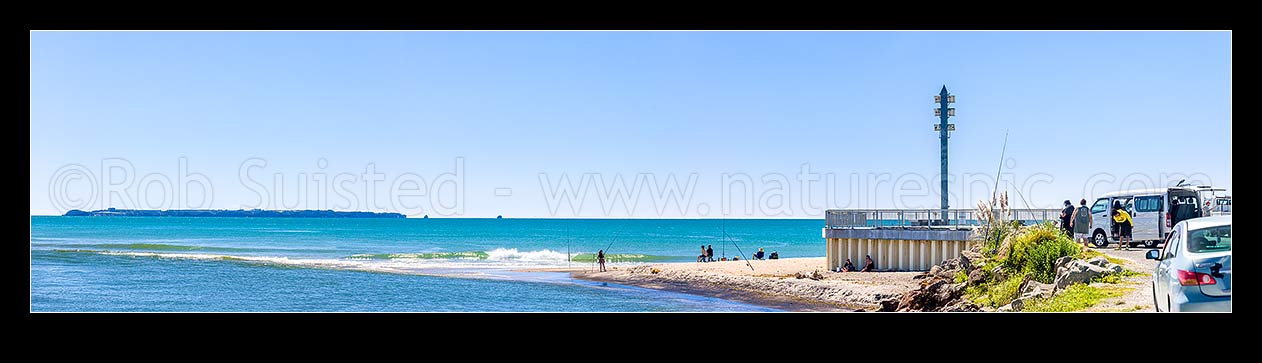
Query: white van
point(1221, 206)
point(1154, 212)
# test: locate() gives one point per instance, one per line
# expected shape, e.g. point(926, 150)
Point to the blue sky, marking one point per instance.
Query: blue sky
point(1086, 113)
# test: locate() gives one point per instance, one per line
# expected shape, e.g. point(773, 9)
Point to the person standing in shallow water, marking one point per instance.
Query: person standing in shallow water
point(600, 258)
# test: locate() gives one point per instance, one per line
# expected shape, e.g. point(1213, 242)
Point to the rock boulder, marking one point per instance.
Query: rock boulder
point(1098, 261)
point(1077, 271)
point(977, 276)
point(971, 255)
point(889, 304)
point(997, 272)
point(933, 295)
point(1061, 262)
point(1115, 268)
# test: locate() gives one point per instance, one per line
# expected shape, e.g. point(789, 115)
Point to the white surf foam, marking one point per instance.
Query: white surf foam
point(497, 259)
point(512, 254)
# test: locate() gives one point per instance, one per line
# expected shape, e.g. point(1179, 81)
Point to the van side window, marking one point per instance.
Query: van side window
point(1100, 206)
point(1148, 204)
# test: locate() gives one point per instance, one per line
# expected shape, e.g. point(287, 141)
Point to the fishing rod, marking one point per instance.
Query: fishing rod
point(1014, 187)
point(995, 191)
point(738, 247)
point(615, 239)
point(994, 194)
point(567, 246)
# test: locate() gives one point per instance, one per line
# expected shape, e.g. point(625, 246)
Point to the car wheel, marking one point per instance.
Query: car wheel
point(1155, 306)
point(1099, 240)
point(1150, 244)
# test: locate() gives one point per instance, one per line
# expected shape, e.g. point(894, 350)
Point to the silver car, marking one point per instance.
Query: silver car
point(1194, 268)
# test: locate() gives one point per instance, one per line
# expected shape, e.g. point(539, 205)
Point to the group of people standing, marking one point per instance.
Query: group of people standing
point(1077, 223)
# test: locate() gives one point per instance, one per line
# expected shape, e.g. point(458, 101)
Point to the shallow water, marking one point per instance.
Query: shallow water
point(281, 264)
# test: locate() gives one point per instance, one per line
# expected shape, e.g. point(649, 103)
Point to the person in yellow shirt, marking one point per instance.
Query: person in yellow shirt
point(1124, 224)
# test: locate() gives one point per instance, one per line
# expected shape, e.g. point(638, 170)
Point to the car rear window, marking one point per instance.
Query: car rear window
point(1211, 239)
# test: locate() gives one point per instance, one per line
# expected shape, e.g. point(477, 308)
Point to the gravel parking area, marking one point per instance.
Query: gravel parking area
point(1138, 295)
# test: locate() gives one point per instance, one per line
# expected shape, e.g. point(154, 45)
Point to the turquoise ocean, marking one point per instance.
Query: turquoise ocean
point(435, 264)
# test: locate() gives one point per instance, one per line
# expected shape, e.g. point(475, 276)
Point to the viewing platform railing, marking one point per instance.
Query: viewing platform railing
point(926, 218)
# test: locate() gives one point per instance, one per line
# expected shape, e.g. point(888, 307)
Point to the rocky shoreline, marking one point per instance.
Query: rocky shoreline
point(802, 284)
point(940, 289)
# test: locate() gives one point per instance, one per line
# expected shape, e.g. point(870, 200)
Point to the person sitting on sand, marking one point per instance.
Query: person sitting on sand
point(847, 267)
point(709, 253)
point(758, 255)
point(868, 265)
point(775, 255)
point(600, 258)
point(701, 258)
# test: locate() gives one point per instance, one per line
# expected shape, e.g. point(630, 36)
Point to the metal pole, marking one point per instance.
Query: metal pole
point(942, 135)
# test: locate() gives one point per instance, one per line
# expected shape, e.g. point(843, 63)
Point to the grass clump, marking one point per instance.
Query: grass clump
point(960, 276)
point(996, 223)
point(1035, 249)
point(1076, 297)
point(995, 294)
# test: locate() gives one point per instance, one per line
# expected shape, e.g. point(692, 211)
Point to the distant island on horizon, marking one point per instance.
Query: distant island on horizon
point(112, 212)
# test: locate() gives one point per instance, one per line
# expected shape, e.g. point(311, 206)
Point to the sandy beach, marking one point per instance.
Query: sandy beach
point(789, 284)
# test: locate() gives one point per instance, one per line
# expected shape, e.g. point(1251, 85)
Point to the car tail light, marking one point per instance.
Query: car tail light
point(1192, 278)
point(1168, 220)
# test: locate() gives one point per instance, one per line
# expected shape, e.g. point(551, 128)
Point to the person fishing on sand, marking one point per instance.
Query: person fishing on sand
point(600, 258)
